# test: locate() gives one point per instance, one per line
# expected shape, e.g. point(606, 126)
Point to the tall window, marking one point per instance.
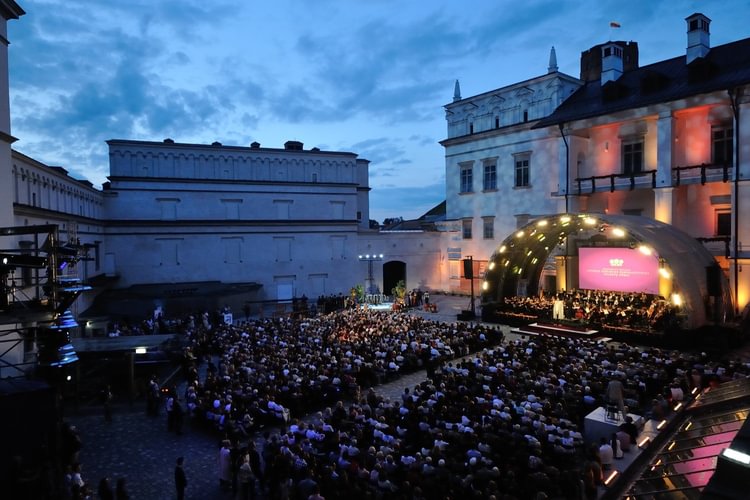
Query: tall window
point(466, 229)
point(467, 181)
point(522, 170)
point(488, 228)
point(490, 175)
point(632, 157)
point(721, 145)
point(723, 223)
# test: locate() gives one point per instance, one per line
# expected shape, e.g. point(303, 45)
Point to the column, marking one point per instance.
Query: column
point(663, 204)
point(664, 134)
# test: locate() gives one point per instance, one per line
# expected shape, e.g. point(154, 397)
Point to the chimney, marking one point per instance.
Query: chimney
point(592, 59)
point(293, 146)
point(698, 37)
point(611, 62)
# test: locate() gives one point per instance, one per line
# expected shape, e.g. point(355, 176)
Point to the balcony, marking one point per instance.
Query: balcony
point(616, 182)
point(703, 173)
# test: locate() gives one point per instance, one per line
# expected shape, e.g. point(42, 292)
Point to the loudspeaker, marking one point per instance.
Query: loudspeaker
point(713, 280)
point(468, 269)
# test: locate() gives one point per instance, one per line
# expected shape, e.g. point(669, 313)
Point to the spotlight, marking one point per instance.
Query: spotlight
point(611, 477)
point(661, 425)
point(737, 456)
point(644, 442)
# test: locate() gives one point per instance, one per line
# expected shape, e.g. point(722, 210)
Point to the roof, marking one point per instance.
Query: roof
point(724, 67)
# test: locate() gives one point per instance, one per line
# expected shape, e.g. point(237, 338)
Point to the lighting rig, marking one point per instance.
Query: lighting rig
point(39, 282)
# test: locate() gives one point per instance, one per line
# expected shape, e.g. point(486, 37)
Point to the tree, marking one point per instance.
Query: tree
point(399, 292)
point(374, 224)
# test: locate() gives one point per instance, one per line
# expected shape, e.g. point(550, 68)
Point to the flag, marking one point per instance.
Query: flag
point(613, 24)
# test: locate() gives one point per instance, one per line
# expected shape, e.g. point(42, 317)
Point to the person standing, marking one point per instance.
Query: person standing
point(224, 463)
point(152, 397)
point(107, 397)
point(180, 480)
point(169, 407)
point(615, 394)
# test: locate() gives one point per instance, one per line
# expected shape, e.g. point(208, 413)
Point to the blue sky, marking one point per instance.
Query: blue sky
point(366, 76)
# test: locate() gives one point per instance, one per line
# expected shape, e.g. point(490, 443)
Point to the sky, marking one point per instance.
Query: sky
point(370, 77)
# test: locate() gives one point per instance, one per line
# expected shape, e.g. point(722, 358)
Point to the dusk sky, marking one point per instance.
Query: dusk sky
point(366, 76)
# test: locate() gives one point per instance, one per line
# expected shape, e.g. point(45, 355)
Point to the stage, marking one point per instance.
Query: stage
point(558, 330)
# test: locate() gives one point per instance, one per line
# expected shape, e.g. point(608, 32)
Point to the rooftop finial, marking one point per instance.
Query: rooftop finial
point(552, 61)
point(457, 92)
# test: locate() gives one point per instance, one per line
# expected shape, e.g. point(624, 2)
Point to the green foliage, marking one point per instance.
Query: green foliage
point(399, 291)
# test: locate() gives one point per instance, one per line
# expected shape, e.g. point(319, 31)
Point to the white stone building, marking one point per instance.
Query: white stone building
point(499, 171)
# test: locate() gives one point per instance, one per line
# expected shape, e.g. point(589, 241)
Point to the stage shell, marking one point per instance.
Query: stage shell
point(522, 256)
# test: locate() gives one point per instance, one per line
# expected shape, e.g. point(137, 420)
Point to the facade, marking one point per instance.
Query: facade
point(499, 170)
point(667, 141)
point(232, 224)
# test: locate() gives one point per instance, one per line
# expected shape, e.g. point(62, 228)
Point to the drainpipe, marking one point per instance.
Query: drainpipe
point(567, 166)
point(734, 95)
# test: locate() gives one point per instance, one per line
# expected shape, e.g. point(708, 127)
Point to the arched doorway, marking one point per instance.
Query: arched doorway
point(393, 272)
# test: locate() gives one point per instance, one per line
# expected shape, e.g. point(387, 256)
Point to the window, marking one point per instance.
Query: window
point(488, 228)
point(467, 182)
point(632, 157)
point(490, 175)
point(721, 145)
point(522, 170)
point(497, 122)
point(466, 229)
point(723, 223)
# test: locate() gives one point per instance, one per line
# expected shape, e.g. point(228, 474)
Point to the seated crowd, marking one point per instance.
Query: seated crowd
point(638, 311)
point(504, 422)
point(270, 369)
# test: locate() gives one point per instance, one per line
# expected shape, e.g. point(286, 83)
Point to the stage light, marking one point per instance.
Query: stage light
point(644, 442)
point(589, 221)
point(542, 223)
point(565, 219)
point(737, 456)
point(69, 378)
point(141, 350)
point(618, 232)
point(644, 250)
point(661, 425)
point(664, 273)
point(676, 299)
point(520, 234)
point(678, 406)
point(491, 266)
point(694, 391)
point(671, 445)
point(611, 477)
point(485, 285)
point(688, 426)
point(542, 237)
point(503, 249)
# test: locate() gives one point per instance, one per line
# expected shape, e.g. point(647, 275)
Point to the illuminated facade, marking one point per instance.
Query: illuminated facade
point(667, 141)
